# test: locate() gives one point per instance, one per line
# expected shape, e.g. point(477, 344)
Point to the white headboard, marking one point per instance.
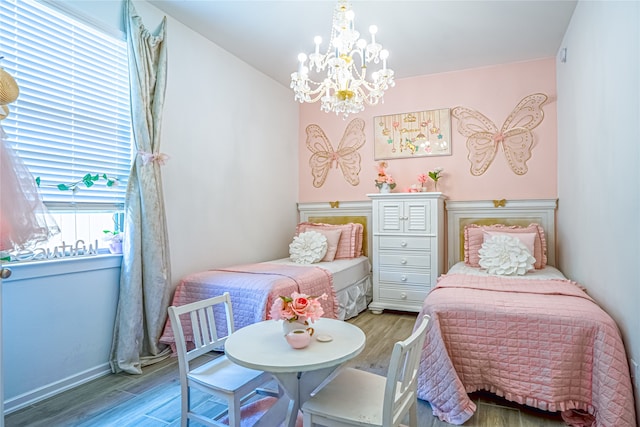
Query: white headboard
point(510, 212)
point(341, 213)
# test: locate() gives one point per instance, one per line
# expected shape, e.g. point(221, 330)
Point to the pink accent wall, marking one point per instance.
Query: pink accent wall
point(492, 91)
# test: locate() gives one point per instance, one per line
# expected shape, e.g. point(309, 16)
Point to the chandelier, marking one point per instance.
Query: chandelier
point(345, 86)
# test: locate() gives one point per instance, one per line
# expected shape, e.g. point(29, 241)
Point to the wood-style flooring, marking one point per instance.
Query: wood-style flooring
point(153, 398)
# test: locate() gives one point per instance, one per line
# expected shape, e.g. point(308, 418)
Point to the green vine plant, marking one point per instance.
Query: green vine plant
point(88, 180)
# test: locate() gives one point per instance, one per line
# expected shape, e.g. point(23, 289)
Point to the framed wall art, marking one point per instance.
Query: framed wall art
point(418, 134)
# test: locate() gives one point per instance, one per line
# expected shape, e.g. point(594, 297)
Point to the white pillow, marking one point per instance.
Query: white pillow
point(505, 255)
point(527, 239)
point(308, 247)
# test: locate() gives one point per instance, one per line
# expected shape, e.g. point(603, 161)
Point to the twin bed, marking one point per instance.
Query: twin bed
point(536, 339)
point(254, 287)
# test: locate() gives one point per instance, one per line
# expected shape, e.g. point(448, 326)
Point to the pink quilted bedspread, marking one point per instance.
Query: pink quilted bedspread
point(542, 343)
point(253, 288)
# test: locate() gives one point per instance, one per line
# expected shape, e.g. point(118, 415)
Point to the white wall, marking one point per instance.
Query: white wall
point(599, 159)
point(57, 319)
point(232, 182)
point(230, 185)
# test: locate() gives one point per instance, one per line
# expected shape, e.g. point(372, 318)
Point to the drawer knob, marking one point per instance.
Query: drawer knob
point(403, 278)
point(5, 273)
point(403, 261)
point(403, 295)
point(403, 244)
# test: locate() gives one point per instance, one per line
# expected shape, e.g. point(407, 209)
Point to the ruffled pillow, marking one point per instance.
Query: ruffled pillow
point(505, 255)
point(308, 247)
point(474, 237)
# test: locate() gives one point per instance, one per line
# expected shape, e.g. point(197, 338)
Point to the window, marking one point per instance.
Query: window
point(72, 117)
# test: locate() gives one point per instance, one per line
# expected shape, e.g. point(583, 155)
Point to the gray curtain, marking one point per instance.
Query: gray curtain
point(145, 280)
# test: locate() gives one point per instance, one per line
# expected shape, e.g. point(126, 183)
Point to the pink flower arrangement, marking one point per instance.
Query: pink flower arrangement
point(383, 177)
point(297, 307)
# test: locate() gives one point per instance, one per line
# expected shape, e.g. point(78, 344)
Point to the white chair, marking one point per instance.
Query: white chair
point(359, 398)
point(220, 377)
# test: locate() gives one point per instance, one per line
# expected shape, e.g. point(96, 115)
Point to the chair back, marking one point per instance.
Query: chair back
point(402, 378)
point(197, 331)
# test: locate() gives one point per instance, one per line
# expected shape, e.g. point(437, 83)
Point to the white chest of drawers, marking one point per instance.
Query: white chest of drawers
point(408, 248)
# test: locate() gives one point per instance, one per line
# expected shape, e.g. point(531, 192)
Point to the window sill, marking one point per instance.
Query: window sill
point(34, 269)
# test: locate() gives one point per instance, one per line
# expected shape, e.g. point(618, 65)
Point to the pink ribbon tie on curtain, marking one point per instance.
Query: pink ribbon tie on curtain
point(159, 158)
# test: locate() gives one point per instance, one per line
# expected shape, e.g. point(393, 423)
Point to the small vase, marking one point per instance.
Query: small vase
point(115, 247)
point(385, 188)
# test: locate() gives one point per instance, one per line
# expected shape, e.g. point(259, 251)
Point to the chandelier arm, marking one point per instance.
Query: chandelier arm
point(367, 97)
point(318, 91)
point(317, 97)
point(319, 86)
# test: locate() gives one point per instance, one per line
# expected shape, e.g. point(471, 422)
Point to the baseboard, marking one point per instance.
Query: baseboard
point(44, 392)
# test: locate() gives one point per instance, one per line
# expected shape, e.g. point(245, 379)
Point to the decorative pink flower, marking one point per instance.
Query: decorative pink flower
point(281, 310)
point(422, 178)
point(315, 310)
point(298, 306)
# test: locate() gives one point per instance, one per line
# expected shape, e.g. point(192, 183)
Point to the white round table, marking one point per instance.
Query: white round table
point(262, 346)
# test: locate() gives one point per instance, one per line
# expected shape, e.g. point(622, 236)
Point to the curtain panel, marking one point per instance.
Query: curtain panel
point(145, 291)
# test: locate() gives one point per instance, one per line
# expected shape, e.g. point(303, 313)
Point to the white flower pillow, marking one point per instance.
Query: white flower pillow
point(308, 247)
point(505, 255)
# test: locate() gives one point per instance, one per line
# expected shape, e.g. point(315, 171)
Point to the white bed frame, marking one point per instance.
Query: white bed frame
point(460, 213)
point(355, 298)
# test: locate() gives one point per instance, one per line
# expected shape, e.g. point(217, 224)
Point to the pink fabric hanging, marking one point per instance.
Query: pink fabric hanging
point(24, 219)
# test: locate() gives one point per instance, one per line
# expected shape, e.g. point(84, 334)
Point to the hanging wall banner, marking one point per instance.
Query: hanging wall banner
point(419, 134)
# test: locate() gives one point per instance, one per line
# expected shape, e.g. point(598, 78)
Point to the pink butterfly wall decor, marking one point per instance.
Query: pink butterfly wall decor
point(515, 137)
point(346, 156)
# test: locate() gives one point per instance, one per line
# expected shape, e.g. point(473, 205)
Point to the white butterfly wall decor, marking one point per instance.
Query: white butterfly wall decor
point(484, 138)
point(346, 156)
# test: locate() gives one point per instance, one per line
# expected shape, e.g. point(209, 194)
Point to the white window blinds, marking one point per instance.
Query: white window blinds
point(72, 117)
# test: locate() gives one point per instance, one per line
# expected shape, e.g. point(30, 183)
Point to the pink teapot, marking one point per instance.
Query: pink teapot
point(299, 338)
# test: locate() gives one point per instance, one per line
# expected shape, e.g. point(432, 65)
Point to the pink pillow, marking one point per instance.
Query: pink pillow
point(359, 238)
point(474, 237)
point(350, 243)
point(333, 237)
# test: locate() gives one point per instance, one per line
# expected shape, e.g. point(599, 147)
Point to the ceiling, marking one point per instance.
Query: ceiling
point(423, 37)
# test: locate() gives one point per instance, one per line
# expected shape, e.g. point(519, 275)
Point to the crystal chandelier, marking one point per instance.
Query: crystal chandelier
point(345, 88)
